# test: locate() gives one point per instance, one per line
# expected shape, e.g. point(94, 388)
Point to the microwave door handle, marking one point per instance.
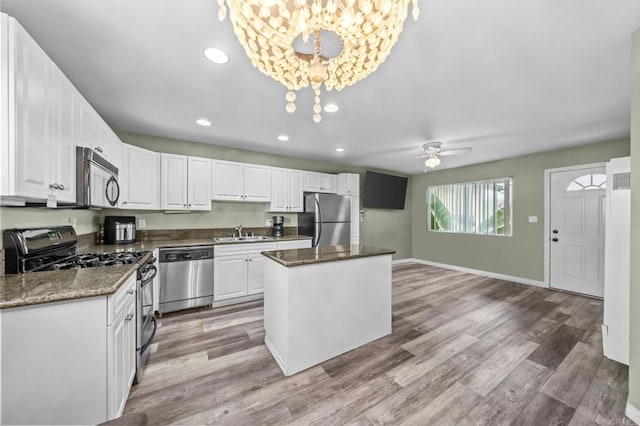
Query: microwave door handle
point(112, 181)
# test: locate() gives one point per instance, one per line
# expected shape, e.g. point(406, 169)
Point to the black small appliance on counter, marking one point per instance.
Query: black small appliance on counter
point(119, 229)
point(278, 226)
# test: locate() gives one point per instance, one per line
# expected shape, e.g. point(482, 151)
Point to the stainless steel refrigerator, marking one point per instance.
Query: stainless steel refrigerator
point(326, 218)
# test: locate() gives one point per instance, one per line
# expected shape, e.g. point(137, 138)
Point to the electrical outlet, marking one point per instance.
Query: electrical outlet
point(533, 219)
point(268, 222)
point(142, 223)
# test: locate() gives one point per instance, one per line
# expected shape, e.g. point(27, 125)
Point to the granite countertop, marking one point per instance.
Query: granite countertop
point(308, 256)
point(54, 286)
point(153, 244)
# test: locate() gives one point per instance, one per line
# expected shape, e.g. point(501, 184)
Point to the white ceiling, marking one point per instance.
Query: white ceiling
point(501, 76)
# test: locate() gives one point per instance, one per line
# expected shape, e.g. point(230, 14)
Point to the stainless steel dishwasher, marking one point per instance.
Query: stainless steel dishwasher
point(186, 278)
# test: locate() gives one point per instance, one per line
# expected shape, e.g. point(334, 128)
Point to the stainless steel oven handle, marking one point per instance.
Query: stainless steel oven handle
point(146, 279)
point(153, 333)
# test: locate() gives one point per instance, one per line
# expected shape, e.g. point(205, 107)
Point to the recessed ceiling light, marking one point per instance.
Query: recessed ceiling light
point(203, 122)
point(339, 149)
point(283, 138)
point(216, 56)
point(331, 108)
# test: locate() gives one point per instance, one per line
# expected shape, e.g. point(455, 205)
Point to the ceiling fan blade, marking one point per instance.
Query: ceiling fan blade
point(454, 151)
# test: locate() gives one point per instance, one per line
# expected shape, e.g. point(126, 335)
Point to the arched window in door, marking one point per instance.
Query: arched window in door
point(588, 182)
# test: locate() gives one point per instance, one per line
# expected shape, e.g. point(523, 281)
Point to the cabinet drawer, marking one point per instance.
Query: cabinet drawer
point(122, 299)
point(228, 249)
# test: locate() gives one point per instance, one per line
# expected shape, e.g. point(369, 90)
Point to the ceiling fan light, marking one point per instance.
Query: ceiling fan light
point(432, 161)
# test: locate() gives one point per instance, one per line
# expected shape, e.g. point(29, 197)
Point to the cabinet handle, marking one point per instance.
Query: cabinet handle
point(124, 202)
point(129, 317)
point(130, 291)
point(61, 187)
point(99, 149)
point(54, 186)
point(184, 205)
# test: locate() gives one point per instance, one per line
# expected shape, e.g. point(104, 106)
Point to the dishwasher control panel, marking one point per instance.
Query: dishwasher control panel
point(185, 254)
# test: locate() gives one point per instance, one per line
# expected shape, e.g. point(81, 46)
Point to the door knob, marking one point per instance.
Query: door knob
point(555, 240)
point(555, 231)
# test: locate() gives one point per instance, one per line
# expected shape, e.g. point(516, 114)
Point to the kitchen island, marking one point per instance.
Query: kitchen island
point(324, 301)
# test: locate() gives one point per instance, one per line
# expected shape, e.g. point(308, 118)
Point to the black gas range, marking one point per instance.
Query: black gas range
point(54, 248)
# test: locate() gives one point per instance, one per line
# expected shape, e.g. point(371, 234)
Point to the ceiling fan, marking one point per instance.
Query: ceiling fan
point(433, 151)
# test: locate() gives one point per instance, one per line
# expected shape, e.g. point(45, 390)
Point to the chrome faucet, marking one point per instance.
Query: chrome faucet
point(239, 229)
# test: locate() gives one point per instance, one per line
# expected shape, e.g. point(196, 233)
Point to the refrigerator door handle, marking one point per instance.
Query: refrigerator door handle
point(318, 222)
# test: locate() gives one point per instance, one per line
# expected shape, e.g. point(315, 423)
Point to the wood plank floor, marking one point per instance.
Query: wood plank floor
point(464, 350)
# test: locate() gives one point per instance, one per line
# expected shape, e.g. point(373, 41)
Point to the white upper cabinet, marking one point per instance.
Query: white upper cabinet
point(227, 180)
point(64, 139)
point(173, 169)
point(185, 182)
point(93, 132)
point(320, 182)
point(199, 184)
point(139, 179)
point(349, 184)
point(28, 135)
point(286, 190)
point(233, 181)
point(43, 118)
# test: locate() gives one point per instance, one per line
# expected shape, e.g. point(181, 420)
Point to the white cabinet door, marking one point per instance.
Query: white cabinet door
point(328, 183)
point(139, 178)
point(227, 180)
point(279, 190)
point(257, 183)
point(199, 184)
point(230, 277)
point(87, 124)
point(355, 220)
point(121, 347)
point(311, 181)
point(63, 152)
point(296, 196)
point(33, 93)
point(349, 184)
point(174, 182)
point(255, 280)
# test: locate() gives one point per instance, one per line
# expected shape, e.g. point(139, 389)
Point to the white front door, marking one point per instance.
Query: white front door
point(576, 230)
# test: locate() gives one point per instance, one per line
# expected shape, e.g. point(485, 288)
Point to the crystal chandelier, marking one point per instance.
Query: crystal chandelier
point(270, 30)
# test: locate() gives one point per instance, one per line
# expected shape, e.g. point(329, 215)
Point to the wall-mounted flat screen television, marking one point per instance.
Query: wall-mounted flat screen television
point(383, 191)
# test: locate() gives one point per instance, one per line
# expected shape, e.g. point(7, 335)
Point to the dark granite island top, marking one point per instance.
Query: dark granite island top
point(308, 256)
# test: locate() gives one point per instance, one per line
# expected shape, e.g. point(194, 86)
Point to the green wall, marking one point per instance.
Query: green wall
point(634, 341)
point(27, 217)
point(381, 228)
point(521, 255)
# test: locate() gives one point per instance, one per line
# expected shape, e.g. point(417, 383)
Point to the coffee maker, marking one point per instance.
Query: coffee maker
point(278, 226)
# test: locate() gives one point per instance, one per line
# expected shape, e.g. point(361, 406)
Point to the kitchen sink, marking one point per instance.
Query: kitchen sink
point(242, 239)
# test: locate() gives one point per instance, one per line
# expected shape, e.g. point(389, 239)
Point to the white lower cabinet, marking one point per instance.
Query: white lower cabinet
point(238, 269)
point(121, 346)
point(230, 276)
point(70, 362)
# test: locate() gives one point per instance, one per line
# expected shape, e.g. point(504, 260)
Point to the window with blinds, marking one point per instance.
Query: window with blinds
point(482, 207)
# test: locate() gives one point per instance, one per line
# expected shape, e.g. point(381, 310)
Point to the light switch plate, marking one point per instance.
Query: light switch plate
point(142, 223)
point(533, 219)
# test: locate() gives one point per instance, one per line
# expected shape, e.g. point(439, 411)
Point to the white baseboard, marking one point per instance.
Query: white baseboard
point(401, 261)
point(520, 280)
point(633, 413)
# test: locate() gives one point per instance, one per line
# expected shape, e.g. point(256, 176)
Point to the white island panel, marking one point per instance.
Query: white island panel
point(317, 311)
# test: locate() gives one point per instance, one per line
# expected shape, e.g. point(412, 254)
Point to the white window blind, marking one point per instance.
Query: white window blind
point(482, 207)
